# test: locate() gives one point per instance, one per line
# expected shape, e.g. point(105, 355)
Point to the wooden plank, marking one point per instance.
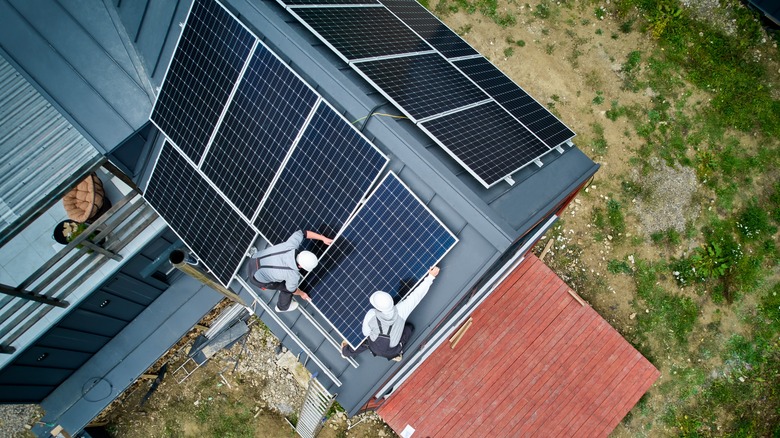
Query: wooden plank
point(554, 351)
point(458, 335)
point(572, 393)
point(505, 362)
point(596, 389)
point(546, 248)
point(459, 368)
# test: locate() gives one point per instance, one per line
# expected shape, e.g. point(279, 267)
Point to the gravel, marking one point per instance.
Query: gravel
point(13, 418)
point(667, 198)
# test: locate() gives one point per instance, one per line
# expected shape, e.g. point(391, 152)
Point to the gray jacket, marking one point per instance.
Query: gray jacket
point(290, 276)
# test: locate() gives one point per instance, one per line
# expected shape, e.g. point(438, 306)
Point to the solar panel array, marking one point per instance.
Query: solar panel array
point(269, 157)
point(275, 159)
point(429, 72)
point(389, 245)
point(328, 173)
point(198, 214)
point(211, 52)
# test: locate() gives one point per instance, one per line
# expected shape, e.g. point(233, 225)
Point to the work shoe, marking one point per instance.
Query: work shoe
point(292, 307)
point(252, 251)
point(397, 358)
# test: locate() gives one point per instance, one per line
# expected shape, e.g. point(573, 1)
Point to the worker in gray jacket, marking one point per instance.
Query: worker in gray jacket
point(385, 326)
point(276, 268)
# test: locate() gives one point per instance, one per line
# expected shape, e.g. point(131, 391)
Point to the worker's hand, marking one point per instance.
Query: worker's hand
point(434, 271)
point(326, 240)
point(302, 294)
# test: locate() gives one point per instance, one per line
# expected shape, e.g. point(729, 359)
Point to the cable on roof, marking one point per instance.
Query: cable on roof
point(374, 113)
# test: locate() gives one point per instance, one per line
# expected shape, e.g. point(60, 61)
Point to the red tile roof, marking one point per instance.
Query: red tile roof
point(534, 363)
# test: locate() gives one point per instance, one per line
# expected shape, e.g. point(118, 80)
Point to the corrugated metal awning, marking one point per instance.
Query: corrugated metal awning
point(41, 153)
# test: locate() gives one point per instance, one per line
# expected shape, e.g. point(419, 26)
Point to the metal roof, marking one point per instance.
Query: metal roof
point(39, 149)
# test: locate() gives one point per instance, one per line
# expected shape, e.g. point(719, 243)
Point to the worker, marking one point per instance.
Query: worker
point(385, 326)
point(277, 268)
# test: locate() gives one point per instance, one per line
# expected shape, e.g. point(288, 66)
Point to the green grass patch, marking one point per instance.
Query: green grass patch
point(662, 315)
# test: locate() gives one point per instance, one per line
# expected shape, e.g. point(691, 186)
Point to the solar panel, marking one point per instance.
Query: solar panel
point(361, 32)
point(533, 115)
point(198, 214)
point(447, 42)
point(327, 2)
point(389, 245)
point(422, 85)
point(265, 116)
point(209, 57)
point(331, 169)
point(487, 140)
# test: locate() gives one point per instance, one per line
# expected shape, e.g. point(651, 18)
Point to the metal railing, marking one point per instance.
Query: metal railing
point(23, 306)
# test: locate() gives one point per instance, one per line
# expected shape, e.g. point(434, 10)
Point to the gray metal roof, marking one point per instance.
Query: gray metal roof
point(39, 149)
point(78, 55)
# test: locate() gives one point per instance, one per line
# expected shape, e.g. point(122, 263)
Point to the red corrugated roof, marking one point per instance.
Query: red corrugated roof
point(534, 363)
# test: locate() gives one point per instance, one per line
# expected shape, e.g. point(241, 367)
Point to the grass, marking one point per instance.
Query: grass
point(664, 316)
point(711, 109)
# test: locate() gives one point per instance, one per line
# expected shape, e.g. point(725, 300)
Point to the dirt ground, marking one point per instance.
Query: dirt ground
point(563, 66)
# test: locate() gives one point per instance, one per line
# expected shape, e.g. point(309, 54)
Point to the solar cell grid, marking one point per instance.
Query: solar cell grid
point(361, 32)
point(327, 2)
point(266, 114)
point(198, 214)
point(389, 245)
point(328, 173)
point(209, 57)
point(533, 115)
point(422, 85)
point(430, 28)
point(487, 140)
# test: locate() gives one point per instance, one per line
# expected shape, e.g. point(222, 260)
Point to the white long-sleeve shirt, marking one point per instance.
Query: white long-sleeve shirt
point(406, 305)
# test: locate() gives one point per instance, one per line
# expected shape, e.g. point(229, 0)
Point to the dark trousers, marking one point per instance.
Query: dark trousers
point(285, 298)
point(405, 336)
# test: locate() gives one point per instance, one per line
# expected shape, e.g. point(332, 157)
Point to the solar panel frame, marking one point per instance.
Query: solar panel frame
point(269, 109)
point(226, 231)
point(538, 119)
point(171, 108)
point(552, 133)
point(308, 197)
point(422, 85)
point(464, 143)
point(327, 2)
point(358, 31)
point(430, 28)
point(364, 273)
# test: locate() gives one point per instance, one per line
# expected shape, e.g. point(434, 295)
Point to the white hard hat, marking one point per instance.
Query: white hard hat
point(382, 301)
point(306, 260)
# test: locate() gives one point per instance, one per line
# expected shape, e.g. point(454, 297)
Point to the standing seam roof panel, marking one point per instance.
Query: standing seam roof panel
point(39, 148)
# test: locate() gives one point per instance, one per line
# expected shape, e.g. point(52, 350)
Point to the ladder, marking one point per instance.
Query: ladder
point(311, 417)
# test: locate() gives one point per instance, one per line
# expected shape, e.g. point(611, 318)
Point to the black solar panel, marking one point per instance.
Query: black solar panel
point(327, 2)
point(208, 60)
point(487, 140)
point(362, 32)
point(389, 245)
point(328, 173)
point(533, 115)
point(266, 114)
point(198, 214)
point(430, 28)
point(422, 85)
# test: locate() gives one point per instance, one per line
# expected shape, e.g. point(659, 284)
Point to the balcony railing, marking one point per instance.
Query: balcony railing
point(78, 264)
